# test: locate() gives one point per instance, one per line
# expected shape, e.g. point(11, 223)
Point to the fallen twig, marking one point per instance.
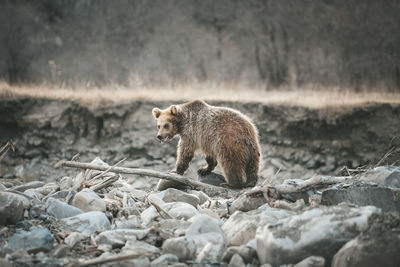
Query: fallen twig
point(192, 183)
point(302, 186)
point(160, 210)
point(111, 259)
point(4, 149)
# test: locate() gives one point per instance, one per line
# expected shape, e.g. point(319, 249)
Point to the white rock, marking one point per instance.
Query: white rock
point(163, 260)
point(180, 210)
point(236, 261)
point(175, 195)
point(132, 222)
point(312, 261)
point(183, 247)
point(149, 215)
point(203, 197)
point(319, 231)
point(74, 238)
point(139, 247)
point(117, 238)
point(88, 200)
point(88, 222)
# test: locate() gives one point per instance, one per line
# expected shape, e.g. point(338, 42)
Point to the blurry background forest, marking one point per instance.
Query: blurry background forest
point(273, 43)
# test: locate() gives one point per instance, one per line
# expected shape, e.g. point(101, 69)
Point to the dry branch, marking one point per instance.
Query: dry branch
point(192, 183)
point(111, 259)
point(296, 187)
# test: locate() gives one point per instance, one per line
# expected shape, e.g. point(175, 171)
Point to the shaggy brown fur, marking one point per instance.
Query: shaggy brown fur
point(225, 136)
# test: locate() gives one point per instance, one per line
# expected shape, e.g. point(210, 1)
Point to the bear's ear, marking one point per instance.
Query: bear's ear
point(174, 110)
point(156, 112)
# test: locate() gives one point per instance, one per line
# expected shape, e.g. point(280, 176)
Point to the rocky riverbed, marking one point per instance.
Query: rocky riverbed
point(66, 217)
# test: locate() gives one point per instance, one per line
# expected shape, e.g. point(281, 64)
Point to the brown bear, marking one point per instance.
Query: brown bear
point(224, 135)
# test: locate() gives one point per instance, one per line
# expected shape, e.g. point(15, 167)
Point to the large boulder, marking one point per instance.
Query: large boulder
point(320, 231)
point(388, 199)
point(11, 208)
point(33, 241)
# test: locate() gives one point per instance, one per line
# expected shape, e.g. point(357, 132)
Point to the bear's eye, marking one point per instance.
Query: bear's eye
point(158, 126)
point(166, 126)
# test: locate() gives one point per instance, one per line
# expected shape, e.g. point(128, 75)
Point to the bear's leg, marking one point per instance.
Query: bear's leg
point(211, 164)
point(185, 156)
point(234, 173)
point(252, 170)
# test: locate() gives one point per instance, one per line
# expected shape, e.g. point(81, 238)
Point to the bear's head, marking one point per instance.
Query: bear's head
point(167, 122)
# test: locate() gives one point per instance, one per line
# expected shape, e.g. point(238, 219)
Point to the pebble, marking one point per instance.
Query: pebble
point(11, 208)
point(88, 222)
point(33, 241)
point(88, 200)
point(183, 247)
point(60, 210)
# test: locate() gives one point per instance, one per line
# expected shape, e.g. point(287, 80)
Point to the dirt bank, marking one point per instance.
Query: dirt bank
point(294, 139)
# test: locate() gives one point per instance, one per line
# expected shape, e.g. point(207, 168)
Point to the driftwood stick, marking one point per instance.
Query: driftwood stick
point(111, 259)
point(305, 185)
point(161, 175)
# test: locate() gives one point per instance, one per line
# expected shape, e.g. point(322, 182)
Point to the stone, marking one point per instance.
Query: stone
point(60, 210)
point(5, 263)
point(164, 260)
point(29, 185)
point(73, 238)
point(139, 247)
point(205, 229)
point(388, 199)
point(247, 253)
point(132, 222)
point(117, 238)
point(149, 215)
point(183, 247)
point(203, 197)
point(244, 203)
point(312, 261)
point(11, 208)
point(203, 224)
point(66, 183)
point(174, 195)
point(236, 261)
point(377, 246)
point(241, 227)
point(33, 241)
point(88, 222)
point(383, 175)
point(48, 188)
point(320, 231)
point(33, 193)
point(62, 195)
point(88, 200)
point(61, 251)
point(180, 210)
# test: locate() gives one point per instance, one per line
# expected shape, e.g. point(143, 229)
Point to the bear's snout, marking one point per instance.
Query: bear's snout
point(159, 136)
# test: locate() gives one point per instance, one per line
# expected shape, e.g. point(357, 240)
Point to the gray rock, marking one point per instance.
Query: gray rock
point(183, 247)
point(48, 188)
point(312, 261)
point(174, 195)
point(164, 260)
point(244, 203)
point(61, 210)
point(11, 208)
point(87, 222)
point(247, 253)
point(73, 238)
point(203, 230)
point(377, 246)
point(132, 222)
point(33, 193)
point(5, 263)
point(236, 261)
point(203, 224)
point(149, 215)
point(321, 231)
point(88, 200)
point(384, 175)
point(29, 185)
point(33, 241)
point(117, 238)
point(58, 195)
point(139, 247)
point(241, 227)
point(388, 199)
point(61, 251)
point(180, 210)
point(203, 197)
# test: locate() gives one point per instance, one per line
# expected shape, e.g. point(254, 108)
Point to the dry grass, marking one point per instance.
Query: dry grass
point(312, 97)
